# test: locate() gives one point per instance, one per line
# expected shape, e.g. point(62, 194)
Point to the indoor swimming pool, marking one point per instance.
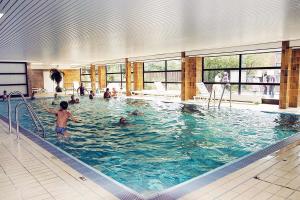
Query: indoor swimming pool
point(167, 144)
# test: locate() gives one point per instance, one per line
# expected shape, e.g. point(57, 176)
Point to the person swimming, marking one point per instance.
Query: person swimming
point(123, 121)
point(4, 96)
point(91, 95)
point(72, 101)
point(107, 94)
point(136, 113)
point(77, 100)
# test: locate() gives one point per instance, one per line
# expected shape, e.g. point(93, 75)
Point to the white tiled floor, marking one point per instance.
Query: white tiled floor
point(274, 177)
point(29, 172)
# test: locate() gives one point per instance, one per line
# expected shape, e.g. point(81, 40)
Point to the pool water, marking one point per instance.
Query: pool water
point(167, 145)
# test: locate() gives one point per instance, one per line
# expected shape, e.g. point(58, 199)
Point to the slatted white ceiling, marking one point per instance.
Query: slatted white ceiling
point(75, 31)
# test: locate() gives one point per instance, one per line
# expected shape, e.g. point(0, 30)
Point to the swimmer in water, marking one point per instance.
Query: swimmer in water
point(123, 121)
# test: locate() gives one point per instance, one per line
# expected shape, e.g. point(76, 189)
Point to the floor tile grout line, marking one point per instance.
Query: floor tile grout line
point(54, 163)
point(32, 175)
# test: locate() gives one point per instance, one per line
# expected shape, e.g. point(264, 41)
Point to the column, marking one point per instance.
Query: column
point(93, 78)
point(191, 73)
point(102, 76)
point(294, 92)
point(138, 76)
point(286, 60)
point(128, 77)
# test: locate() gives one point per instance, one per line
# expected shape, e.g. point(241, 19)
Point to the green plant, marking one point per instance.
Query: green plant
point(57, 76)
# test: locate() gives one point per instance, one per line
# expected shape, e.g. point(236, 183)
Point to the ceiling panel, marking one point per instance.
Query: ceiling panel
point(81, 31)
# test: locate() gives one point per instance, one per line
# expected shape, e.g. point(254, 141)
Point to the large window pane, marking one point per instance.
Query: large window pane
point(154, 66)
point(174, 76)
point(221, 76)
point(272, 59)
point(85, 78)
point(154, 76)
point(149, 86)
point(173, 65)
point(221, 62)
point(261, 76)
point(115, 68)
point(266, 91)
point(174, 86)
point(113, 77)
point(85, 70)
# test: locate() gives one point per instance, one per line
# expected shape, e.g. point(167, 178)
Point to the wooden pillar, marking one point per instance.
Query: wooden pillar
point(102, 76)
point(294, 92)
point(286, 61)
point(93, 78)
point(191, 69)
point(138, 76)
point(128, 77)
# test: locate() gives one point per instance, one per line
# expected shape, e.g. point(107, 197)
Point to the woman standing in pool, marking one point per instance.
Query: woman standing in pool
point(62, 117)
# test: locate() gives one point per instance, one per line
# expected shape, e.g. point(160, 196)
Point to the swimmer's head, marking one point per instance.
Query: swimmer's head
point(107, 89)
point(72, 97)
point(77, 100)
point(122, 120)
point(55, 95)
point(136, 112)
point(64, 105)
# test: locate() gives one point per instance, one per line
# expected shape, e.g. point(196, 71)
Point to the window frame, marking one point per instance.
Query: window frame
point(240, 69)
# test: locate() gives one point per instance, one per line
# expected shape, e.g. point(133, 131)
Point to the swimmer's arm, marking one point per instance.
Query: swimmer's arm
point(74, 119)
point(53, 111)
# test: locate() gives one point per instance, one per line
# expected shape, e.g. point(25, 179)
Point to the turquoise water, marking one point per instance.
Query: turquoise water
point(169, 144)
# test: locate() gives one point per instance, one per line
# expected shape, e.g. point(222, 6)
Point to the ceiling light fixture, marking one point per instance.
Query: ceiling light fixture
point(1, 14)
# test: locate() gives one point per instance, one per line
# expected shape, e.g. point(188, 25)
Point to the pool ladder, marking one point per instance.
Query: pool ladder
point(227, 85)
point(37, 122)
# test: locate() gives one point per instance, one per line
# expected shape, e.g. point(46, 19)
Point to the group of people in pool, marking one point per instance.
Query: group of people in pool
point(63, 114)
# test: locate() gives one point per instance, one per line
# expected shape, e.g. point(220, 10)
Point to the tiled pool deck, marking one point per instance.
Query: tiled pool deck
point(27, 171)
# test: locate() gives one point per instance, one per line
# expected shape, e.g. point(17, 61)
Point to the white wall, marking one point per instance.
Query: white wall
point(10, 80)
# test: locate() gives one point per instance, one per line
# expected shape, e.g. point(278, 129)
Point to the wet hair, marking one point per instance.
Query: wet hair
point(64, 105)
point(107, 89)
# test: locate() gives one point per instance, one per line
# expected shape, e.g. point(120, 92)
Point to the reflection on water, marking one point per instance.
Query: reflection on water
point(167, 145)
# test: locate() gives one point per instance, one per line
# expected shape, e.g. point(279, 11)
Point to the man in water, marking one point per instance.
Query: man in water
point(4, 96)
point(106, 94)
point(62, 117)
point(91, 96)
point(137, 113)
point(72, 101)
point(81, 90)
point(122, 121)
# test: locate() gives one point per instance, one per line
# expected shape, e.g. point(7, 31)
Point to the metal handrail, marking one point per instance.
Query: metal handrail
point(220, 100)
point(9, 105)
point(33, 115)
point(225, 86)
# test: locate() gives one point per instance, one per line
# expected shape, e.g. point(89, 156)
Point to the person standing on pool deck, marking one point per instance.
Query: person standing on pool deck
point(81, 89)
point(62, 117)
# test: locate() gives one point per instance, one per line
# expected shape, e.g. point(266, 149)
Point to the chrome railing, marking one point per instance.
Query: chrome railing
point(227, 85)
point(33, 115)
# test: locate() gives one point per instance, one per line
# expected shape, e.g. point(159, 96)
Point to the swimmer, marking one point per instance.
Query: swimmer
point(106, 94)
point(77, 100)
point(4, 96)
point(62, 117)
point(72, 101)
point(122, 121)
point(91, 95)
point(137, 113)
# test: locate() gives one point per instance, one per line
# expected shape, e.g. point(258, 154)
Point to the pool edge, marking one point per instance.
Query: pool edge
point(117, 189)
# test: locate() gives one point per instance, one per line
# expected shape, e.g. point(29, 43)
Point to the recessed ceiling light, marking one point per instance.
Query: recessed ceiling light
point(1, 14)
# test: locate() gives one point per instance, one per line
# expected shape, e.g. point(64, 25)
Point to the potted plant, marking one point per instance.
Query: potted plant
point(57, 76)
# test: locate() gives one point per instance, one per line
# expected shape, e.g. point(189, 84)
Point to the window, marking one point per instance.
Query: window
point(252, 74)
point(168, 72)
point(116, 73)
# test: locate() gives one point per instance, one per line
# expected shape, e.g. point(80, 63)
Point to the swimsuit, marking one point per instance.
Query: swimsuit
point(60, 130)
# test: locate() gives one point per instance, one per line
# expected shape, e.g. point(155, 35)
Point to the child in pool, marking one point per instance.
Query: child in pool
point(62, 117)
